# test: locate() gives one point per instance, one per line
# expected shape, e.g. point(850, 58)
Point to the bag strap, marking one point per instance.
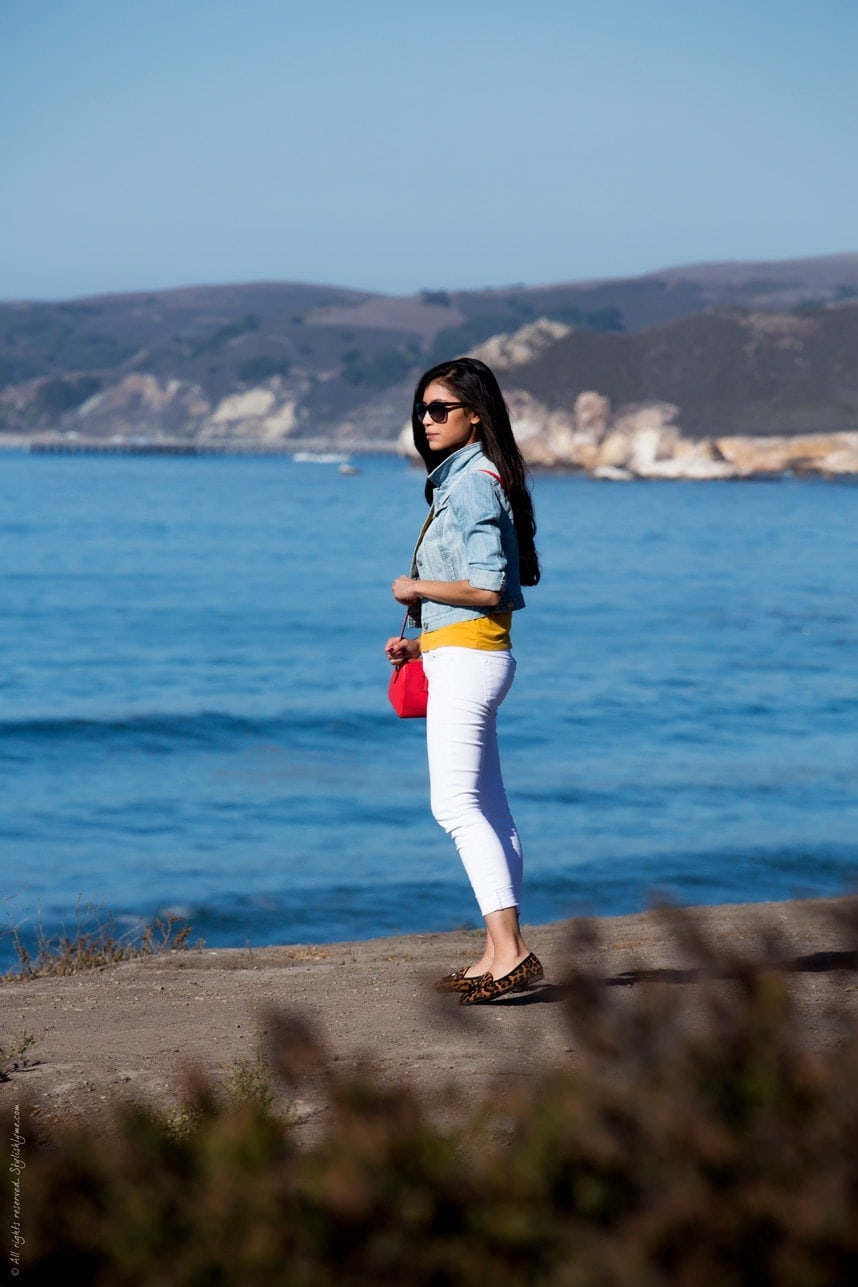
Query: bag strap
point(491, 473)
point(424, 529)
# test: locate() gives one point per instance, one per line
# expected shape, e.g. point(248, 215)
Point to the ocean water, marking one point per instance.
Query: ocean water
point(193, 714)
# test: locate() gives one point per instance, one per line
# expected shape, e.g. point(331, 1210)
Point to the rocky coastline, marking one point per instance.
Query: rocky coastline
point(640, 441)
point(645, 440)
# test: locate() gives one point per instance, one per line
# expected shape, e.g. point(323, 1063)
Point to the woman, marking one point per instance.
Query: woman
point(475, 552)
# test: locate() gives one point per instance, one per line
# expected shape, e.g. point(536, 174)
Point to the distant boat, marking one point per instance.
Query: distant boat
point(349, 469)
point(320, 458)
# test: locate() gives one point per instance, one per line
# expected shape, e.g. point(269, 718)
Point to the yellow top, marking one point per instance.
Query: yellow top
point(487, 634)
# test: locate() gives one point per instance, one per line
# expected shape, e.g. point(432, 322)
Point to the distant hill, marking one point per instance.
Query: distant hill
point(727, 371)
point(280, 363)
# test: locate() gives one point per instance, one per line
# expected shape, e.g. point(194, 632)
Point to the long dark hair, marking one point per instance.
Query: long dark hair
point(475, 384)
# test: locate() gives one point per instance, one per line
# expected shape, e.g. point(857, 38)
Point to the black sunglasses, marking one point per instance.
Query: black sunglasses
point(437, 410)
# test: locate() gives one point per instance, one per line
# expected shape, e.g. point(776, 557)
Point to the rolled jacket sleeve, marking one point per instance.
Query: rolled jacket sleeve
point(478, 512)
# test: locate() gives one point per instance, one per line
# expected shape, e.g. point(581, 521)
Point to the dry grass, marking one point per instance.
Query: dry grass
point(93, 945)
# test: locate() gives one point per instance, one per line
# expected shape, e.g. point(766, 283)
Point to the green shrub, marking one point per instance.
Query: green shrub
point(379, 369)
point(256, 369)
point(57, 396)
point(452, 341)
point(438, 297)
point(215, 340)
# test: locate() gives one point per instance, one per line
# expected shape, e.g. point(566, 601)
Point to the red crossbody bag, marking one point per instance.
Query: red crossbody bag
point(408, 689)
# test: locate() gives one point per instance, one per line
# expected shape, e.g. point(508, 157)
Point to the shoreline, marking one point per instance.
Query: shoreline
point(779, 465)
point(133, 1030)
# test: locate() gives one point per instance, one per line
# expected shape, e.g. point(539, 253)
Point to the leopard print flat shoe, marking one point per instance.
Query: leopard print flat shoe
point(487, 988)
point(458, 981)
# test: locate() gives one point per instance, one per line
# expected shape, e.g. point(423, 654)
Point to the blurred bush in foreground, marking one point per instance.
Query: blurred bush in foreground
point(693, 1139)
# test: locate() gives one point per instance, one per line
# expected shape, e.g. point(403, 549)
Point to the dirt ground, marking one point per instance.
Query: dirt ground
point(134, 1029)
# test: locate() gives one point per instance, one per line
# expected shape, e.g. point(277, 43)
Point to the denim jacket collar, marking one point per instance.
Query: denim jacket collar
point(442, 475)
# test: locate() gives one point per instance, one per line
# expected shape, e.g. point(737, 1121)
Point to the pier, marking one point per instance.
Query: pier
point(307, 446)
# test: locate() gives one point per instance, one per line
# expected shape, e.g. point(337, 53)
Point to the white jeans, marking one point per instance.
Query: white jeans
point(466, 687)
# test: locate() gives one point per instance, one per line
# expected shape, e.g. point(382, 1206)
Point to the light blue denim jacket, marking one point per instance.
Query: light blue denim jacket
point(471, 538)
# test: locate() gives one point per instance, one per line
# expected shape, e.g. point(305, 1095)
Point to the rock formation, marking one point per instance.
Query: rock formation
point(503, 352)
point(835, 453)
point(643, 440)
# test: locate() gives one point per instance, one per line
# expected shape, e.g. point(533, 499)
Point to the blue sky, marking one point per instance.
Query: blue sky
point(399, 146)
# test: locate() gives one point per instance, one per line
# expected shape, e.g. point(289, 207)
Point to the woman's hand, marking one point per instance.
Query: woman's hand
point(401, 650)
point(405, 591)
